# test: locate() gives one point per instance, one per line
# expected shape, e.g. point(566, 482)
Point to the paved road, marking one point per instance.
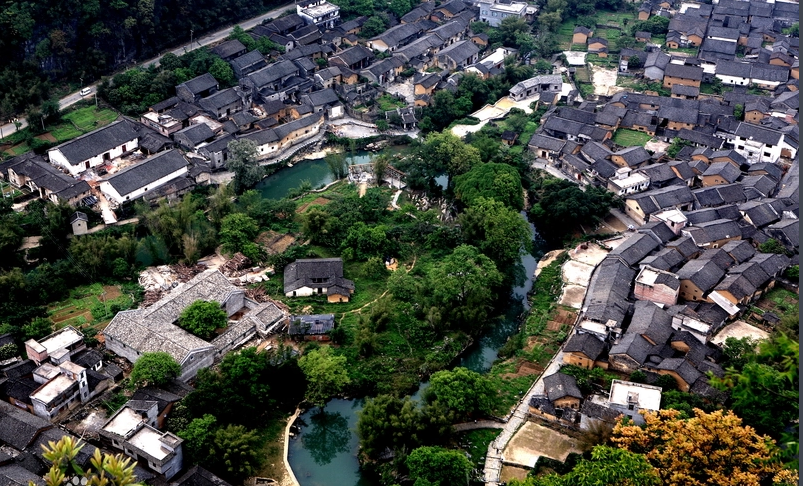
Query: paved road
point(212, 38)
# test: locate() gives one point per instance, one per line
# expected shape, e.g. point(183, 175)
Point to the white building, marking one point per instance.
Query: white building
point(95, 148)
point(493, 13)
point(150, 174)
point(759, 144)
point(133, 430)
point(536, 85)
point(627, 181)
point(67, 387)
point(319, 12)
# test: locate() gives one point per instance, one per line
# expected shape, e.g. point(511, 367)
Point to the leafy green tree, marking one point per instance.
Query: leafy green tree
point(338, 164)
point(772, 246)
point(738, 111)
point(608, 466)
point(765, 391)
point(400, 7)
point(247, 385)
point(326, 375)
point(446, 152)
point(202, 318)
point(561, 206)
point(437, 466)
point(374, 26)
point(403, 286)
point(235, 452)
point(738, 352)
point(38, 328)
point(155, 369)
point(390, 422)
point(237, 233)
point(243, 162)
point(634, 62)
point(198, 436)
point(491, 181)
point(497, 230)
point(363, 242)
point(222, 72)
point(465, 392)
point(8, 351)
point(464, 283)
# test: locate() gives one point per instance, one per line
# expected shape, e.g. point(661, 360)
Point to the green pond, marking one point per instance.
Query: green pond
point(316, 171)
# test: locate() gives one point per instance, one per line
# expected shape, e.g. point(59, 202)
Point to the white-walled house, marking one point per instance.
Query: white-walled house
point(145, 176)
point(759, 144)
point(95, 148)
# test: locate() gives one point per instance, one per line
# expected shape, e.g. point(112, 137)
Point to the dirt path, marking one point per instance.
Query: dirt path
point(359, 309)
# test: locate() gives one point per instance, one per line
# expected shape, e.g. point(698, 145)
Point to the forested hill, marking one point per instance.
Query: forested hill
point(46, 41)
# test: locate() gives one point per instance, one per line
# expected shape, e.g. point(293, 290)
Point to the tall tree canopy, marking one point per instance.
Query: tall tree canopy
point(436, 466)
point(326, 375)
point(497, 230)
point(202, 318)
point(491, 181)
point(465, 392)
point(155, 368)
point(709, 448)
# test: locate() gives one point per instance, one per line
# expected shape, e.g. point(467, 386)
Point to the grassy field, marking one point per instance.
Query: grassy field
point(475, 444)
point(73, 124)
point(630, 138)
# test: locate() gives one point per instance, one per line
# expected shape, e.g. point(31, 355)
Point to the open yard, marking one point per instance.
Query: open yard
point(630, 138)
point(73, 124)
point(534, 440)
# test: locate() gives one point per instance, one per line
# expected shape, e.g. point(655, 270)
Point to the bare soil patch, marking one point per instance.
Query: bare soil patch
point(70, 313)
point(533, 440)
point(321, 201)
point(513, 472)
point(112, 292)
point(275, 243)
point(47, 137)
point(526, 368)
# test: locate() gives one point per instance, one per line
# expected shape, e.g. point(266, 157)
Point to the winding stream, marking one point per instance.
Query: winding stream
point(324, 453)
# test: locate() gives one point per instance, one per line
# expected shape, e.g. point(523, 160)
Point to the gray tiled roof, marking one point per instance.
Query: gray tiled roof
point(586, 344)
point(198, 476)
point(560, 385)
point(635, 248)
point(725, 170)
point(739, 250)
point(147, 172)
point(608, 291)
point(664, 259)
point(219, 100)
point(711, 231)
point(684, 71)
point(228, 48)
point(651, 322)
point(685, 245)
point(19, 428)
point(311, 324)
point(705, 274)
point(152, 329)
point(682, 367)
point(633, 345)
point(301, 272)
point(15, 475)
point(97, 142)
point(200, 84)
point(719, 256)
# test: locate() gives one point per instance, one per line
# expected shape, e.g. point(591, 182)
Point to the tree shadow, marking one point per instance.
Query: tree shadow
point(327, 436)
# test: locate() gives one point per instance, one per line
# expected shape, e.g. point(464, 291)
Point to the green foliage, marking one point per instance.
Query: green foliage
point(656, 25)
point(235, 451)
point(338, 164)
point(374, 26)
point(38, 328)
point(8, 351)
point(497, 230)
point(462, 391)
point(675, 147)
point(772, 246)
point(491, 181)
point(237, 233)
point(685, 402)
point(437, 466)
point(104, 470)
point(247, 386)
point(464, 283)
point(561, 206)
point(390, 422)
point(154, 369)
point(793, 272)
point(202, 318)
point(198, 437)
point(243, 154)
point(765, 392)
point(738, 352)
point(608, 466)
point(363, 241)
point(326, 375)
point(590, 380)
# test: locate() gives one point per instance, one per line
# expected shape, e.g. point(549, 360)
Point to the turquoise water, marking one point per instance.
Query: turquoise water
point(324, 453)
point(316, 171)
